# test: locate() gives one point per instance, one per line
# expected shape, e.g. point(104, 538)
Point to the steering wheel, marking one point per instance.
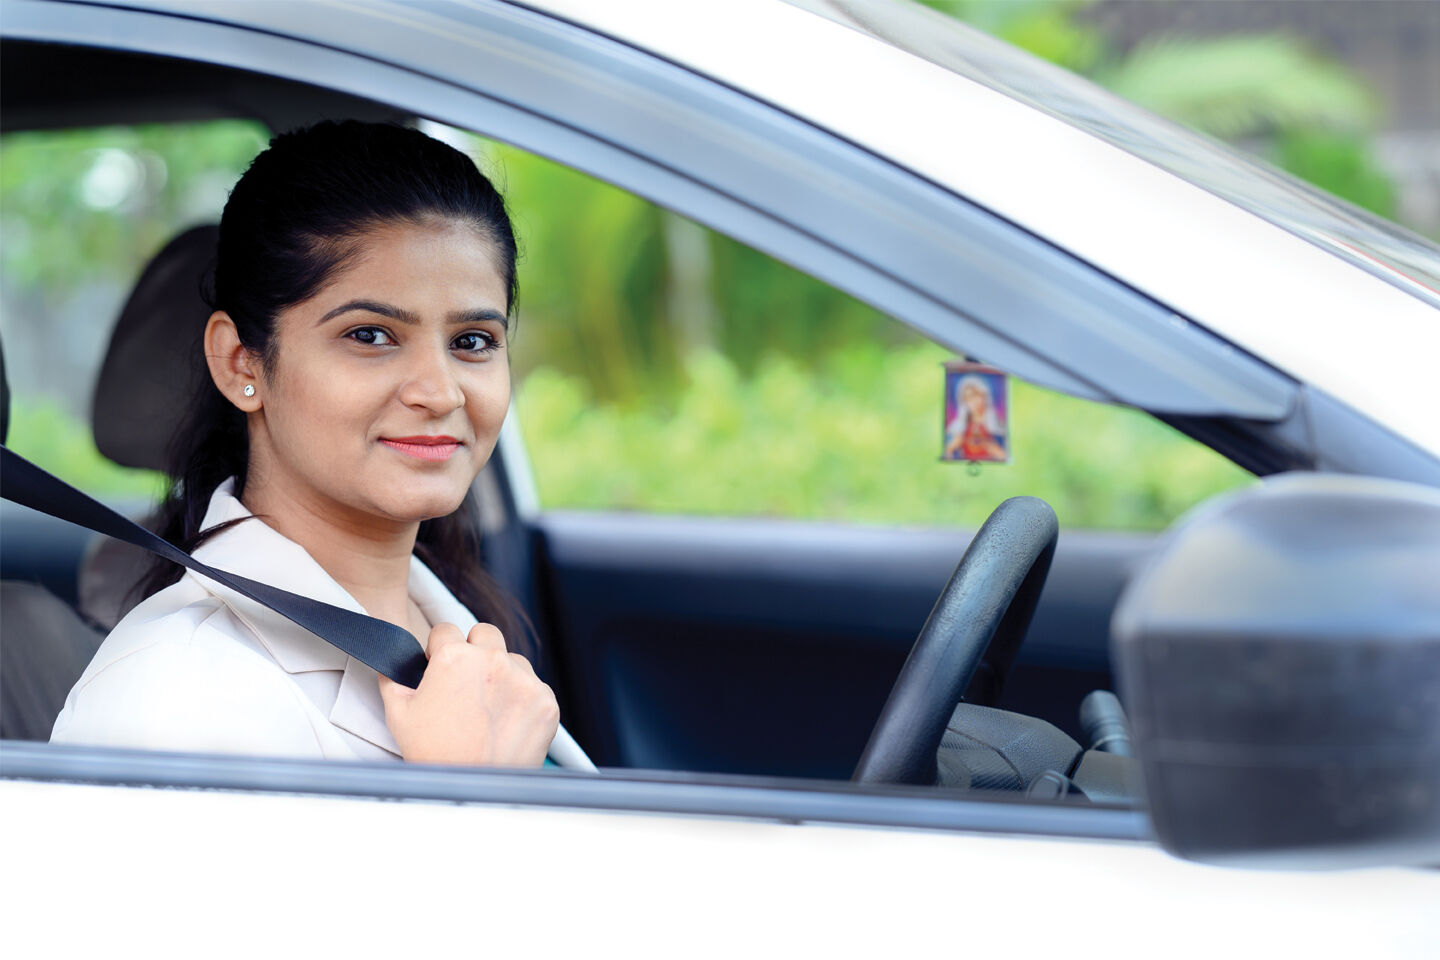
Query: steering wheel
point(967, 644)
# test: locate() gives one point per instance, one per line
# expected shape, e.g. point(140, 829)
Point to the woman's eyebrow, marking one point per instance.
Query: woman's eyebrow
point(372, 306)
point(407, 317)
point(479, 316)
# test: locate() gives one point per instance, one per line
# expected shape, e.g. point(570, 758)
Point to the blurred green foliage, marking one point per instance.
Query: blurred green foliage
point(54, 440)
point(1050, 29)
point(1246, 85)
point(857, 438)
point(592, 273)
point(1339, 163)
point(1302, 110)
point(602, 276)
point(81, 211)
point(94, 205)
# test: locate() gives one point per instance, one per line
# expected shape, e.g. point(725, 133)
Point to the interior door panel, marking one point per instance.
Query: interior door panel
point(768, 647)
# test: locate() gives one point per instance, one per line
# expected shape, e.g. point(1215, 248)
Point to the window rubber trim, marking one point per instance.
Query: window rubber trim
point(680, 794)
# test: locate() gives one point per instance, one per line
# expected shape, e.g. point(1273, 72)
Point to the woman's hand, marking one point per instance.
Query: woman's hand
point(476, 704)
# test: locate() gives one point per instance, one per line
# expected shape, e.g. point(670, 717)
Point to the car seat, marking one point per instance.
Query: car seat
point(139, 399)
point(46, 645)
point(137, 404)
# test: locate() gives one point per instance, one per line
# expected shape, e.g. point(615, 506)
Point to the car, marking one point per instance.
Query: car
point(998, 207)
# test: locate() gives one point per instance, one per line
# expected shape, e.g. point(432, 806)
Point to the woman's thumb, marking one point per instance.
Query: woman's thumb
point(395, 696)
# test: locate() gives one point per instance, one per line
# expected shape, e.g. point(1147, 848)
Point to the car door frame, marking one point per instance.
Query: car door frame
point(756, 174)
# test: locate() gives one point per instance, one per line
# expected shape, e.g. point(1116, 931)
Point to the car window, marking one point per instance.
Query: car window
point(661, 367)
point(665, 368)
point(81, 212)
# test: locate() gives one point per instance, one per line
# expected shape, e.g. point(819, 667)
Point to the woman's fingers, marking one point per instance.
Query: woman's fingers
point(523, 665)
point(484, 635)
point(442, 635)
point(488, 637)
point(477, 703)
point(393, 695)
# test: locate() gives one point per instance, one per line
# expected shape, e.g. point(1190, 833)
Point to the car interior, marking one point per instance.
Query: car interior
point(650, 625)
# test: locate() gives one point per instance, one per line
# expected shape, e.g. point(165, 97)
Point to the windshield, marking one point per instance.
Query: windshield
point(1370, 242)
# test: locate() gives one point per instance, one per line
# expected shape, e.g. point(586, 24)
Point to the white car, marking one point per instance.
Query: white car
point(1278, 651)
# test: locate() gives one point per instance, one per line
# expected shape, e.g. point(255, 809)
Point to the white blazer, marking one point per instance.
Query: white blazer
point(199, 667)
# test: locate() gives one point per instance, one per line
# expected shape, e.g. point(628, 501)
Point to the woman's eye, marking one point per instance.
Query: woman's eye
point(474, 342)
point(370, 336)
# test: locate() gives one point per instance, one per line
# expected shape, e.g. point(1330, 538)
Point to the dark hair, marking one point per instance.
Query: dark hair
point(292, 221)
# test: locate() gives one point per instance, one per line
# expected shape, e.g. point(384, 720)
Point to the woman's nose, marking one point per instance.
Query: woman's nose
point(431, 381)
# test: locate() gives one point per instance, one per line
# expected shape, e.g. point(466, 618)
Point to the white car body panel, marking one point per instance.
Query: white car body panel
point(284, 875)
point(1263, 288)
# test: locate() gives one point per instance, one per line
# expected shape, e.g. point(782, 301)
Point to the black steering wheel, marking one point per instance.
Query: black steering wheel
point(967, 644)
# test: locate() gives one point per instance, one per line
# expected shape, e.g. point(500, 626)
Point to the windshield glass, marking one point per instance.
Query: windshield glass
point(1370, 242)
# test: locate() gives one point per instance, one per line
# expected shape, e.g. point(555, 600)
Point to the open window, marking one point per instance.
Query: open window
point(656, 622)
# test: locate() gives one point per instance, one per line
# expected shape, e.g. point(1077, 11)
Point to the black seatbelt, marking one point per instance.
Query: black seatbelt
point(383, 646)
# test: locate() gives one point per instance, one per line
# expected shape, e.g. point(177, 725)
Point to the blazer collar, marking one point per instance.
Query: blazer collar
point(255, 550)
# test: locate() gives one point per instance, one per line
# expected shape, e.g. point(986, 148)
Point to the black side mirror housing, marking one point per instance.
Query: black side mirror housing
point(1280, 660)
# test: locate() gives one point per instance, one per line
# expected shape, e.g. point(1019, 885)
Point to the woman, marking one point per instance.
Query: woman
point(357, 380)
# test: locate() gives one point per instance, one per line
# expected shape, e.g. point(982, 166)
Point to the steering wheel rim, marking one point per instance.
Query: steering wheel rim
point(968, 642)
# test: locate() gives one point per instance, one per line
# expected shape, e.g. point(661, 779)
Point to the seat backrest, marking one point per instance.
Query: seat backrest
point(145, 380)
point(45, 648)
point(142, 392)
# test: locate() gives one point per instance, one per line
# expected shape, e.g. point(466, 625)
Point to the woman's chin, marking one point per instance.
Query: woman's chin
point(416, 502)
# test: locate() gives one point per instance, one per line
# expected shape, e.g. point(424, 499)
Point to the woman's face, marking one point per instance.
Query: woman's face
point(387, 389)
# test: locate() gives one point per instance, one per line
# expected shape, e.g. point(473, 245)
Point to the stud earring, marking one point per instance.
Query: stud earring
point(249, 390)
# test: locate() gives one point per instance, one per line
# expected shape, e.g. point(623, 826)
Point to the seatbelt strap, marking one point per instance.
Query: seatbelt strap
point(386, 648)
point(382, 646)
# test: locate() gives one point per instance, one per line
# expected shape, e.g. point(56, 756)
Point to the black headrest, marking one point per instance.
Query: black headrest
point(145, 382)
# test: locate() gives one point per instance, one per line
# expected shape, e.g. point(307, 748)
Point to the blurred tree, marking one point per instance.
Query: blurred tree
point(1338, 162)
point(81, 211)
point(619, 292)
point(1308, 113)
point(1241, 86)
point(1049, 29)
point(94, 205)
point(593, 269)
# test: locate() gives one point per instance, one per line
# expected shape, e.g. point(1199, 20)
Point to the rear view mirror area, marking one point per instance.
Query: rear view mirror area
point(1280, 659)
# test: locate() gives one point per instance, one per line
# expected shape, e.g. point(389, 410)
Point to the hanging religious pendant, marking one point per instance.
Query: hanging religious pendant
point(977, 414)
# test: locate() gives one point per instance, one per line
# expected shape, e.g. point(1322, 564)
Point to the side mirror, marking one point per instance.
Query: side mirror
point(1280, 659)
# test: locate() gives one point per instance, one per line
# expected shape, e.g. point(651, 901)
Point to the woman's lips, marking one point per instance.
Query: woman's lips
point(423, 448)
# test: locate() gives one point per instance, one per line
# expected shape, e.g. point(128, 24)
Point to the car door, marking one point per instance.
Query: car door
point(565, 870)
point(769, 646)
point(761, 646)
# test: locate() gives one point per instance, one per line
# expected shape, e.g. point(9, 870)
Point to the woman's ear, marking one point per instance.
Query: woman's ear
point(232, 366)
